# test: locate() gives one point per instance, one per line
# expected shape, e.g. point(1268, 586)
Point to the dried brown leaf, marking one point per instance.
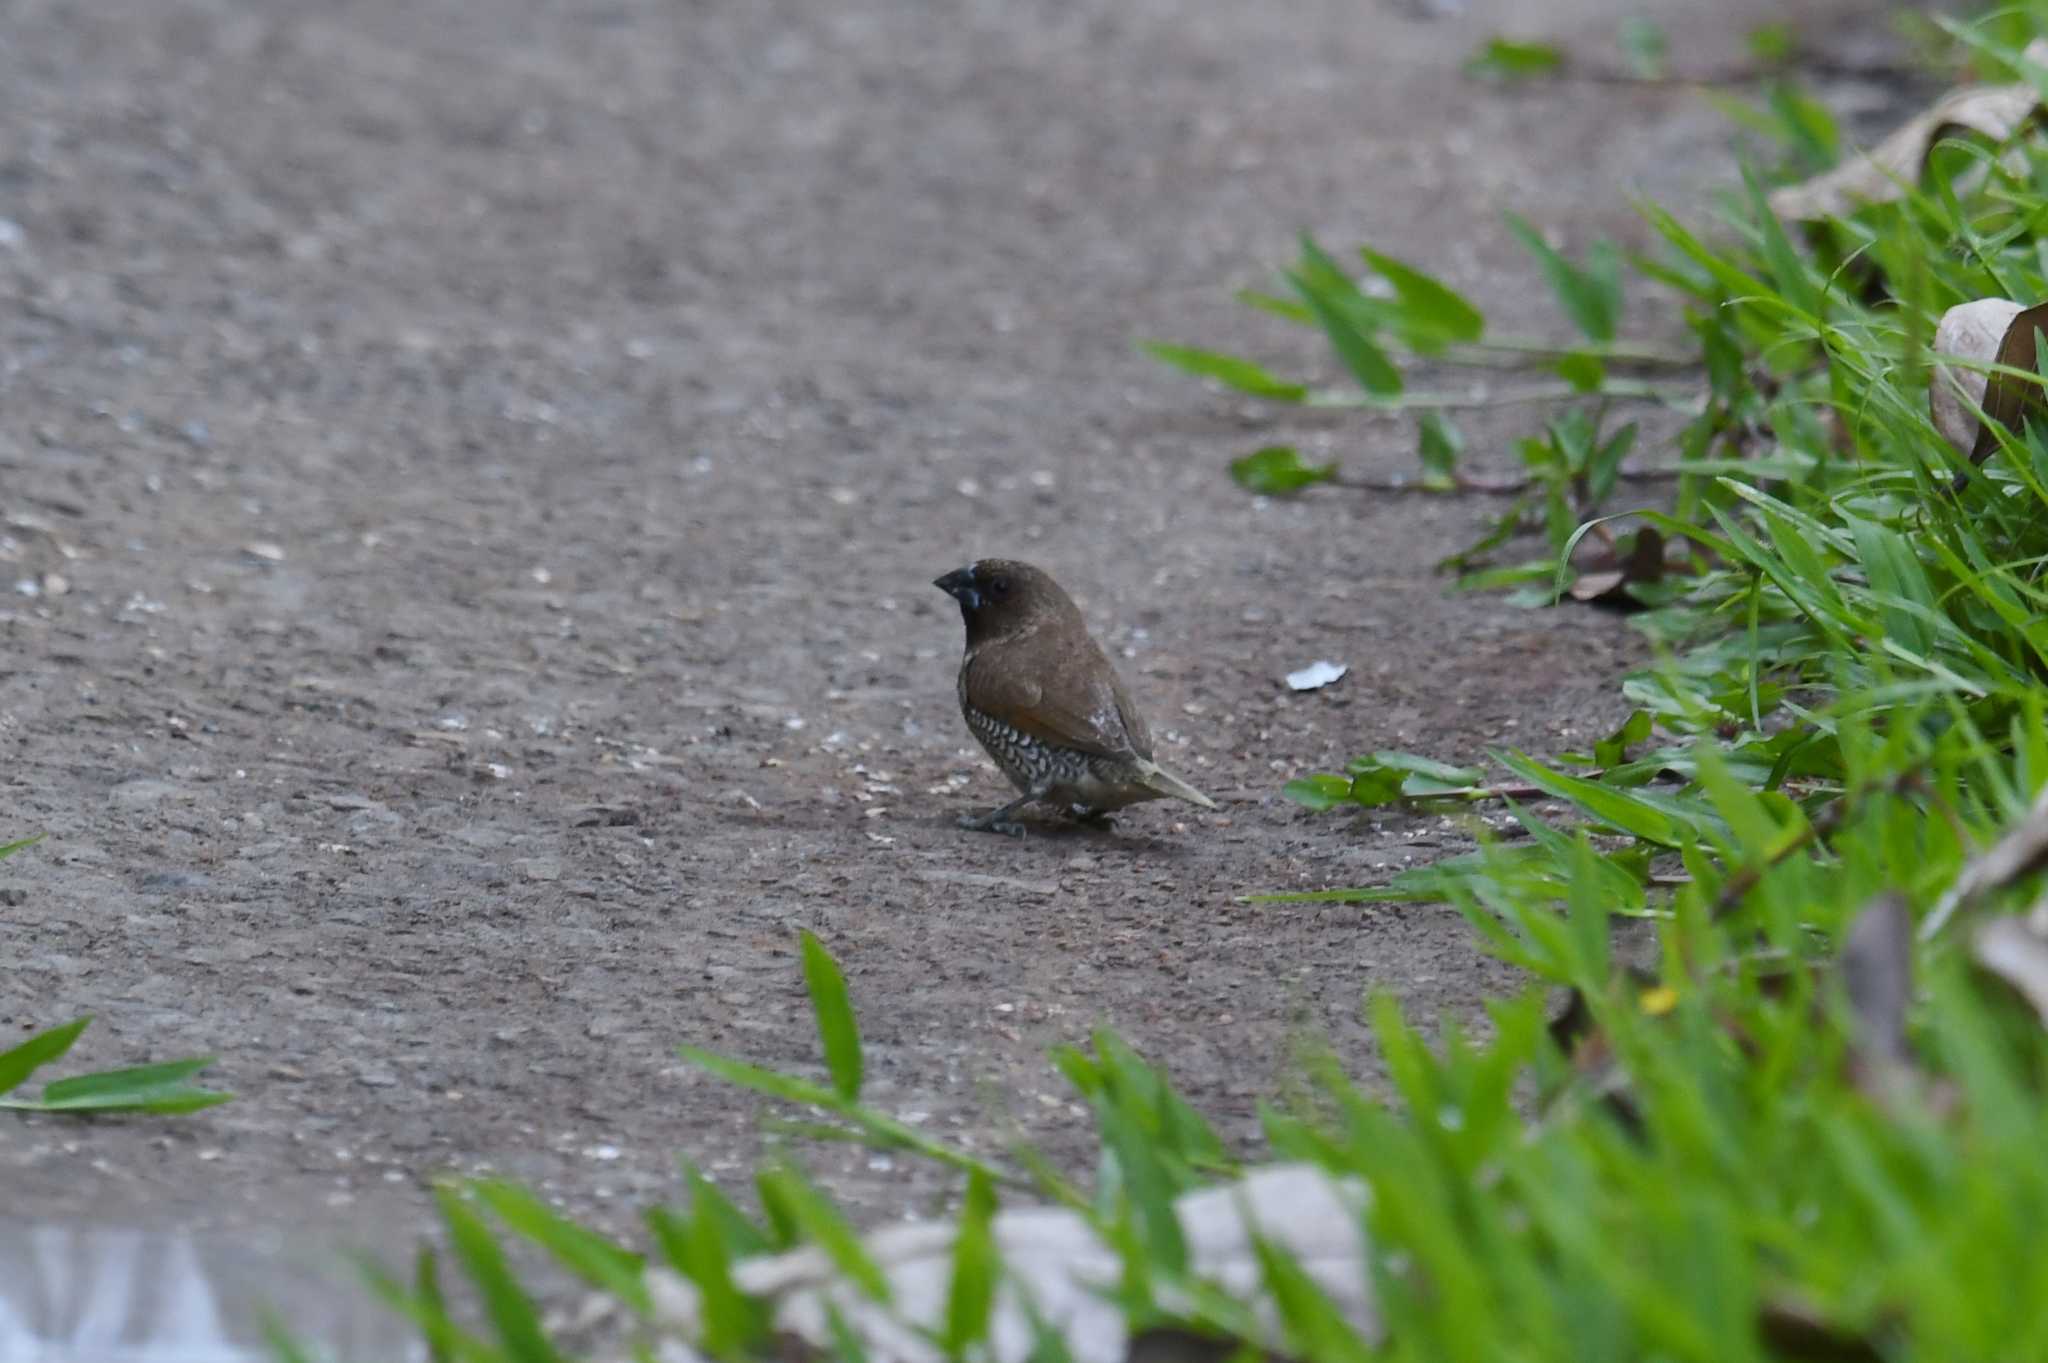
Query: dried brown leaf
point(1645, 563)
point(2017, 953)
point(1886, 171)
point(1972, 332)
point(2023, 849)
point(2009, 398)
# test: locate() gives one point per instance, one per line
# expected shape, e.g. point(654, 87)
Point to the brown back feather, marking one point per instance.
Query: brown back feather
point(1056, 685)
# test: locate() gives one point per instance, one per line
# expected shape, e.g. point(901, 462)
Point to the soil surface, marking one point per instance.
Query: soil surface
point(473, 475)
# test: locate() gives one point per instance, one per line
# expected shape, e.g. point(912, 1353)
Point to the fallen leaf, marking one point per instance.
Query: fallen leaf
point(1973, 332)
point(1645, 563)
point(2023, 849)
point(1316, 676)
point(1893, 166)
point(2008, 398)
point(2013, 950)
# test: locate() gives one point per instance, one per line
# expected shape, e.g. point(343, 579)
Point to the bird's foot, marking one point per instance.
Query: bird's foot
point(1093, 817)
point(993, 822)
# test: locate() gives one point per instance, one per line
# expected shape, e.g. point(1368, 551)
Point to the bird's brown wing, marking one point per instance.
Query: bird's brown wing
point(1134, 723)
point(1069, 697)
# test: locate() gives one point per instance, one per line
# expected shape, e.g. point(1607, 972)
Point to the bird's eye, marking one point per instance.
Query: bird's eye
point(999, 587)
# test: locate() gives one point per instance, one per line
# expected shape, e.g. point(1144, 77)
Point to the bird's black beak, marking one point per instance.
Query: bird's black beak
point(961, 586)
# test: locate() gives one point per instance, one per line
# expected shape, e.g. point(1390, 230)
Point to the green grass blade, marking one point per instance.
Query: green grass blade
point(282, 1343)
point(429, 1314)
point(1436, 312)
point(788, 1087)
point(1587, 299)
point(1232, 371)
point(971, 1295)
point(837, 1030)
point(18, 1064)
point(1634, 812)
point(588, 1255)
point(703, 1246)
point(804, 1207)
point(132, 1085)
point(510, 1309)
point(9, 849)
point(426, 1284)
point(1366, 361)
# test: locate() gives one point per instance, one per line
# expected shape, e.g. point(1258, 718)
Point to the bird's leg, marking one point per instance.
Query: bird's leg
point(999, 820)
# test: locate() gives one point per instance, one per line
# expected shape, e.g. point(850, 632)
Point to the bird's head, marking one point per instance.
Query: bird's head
point(1000, 596)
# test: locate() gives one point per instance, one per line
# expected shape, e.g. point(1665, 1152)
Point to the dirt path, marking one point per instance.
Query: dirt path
point(500, 459)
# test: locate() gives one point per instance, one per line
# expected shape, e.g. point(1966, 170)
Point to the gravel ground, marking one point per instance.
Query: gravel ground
point(475, 472)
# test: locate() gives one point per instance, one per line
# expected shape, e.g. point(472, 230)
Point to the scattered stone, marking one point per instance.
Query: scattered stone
point(371, 819)
point(145, 792)
point(1316, 676)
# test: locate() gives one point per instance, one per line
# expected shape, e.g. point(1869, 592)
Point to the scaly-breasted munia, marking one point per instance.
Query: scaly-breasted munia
point(1042, 698)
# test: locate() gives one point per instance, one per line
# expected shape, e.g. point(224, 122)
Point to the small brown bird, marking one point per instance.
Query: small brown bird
point(1041, 696)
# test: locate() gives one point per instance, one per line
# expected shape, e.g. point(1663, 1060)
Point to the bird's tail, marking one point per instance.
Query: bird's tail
point(1155, 777)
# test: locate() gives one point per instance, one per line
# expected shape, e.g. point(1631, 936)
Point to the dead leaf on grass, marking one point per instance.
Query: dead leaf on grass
point(2023, 849)
point(2017, 952)
point(1894, 165)
point(1979, 334)
point(1645, 563)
